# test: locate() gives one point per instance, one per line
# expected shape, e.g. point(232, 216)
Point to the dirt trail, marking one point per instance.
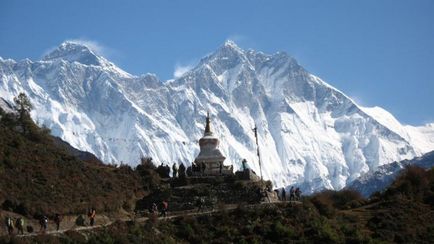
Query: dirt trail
point(171, 215)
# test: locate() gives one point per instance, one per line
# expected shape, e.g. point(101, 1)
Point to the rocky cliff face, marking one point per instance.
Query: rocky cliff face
point(309, 132)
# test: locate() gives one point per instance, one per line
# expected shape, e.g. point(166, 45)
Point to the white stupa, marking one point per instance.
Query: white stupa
point(210, 159)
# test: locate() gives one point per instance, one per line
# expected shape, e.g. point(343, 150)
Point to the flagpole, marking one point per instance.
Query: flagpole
point(257, 150)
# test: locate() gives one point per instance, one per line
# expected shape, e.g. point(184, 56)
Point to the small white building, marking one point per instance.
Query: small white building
point(210, 160)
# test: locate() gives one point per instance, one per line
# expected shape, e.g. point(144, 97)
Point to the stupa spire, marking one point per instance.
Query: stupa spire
point(208, 125)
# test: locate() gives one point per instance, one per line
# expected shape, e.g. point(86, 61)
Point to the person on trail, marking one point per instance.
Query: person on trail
point(43, 223)
point(283, 194)
point(57, 220)
point(92, 215)
point(174, 170)
point(276, 192)
point(194, 167)
point(167, 171)
point(181, 171)
point(154, 208)
point(298, 194)
point(164, 206)
point(200, 202)
point(292, 194)
point(10, 225)
point(203, 168)
point(20, 225)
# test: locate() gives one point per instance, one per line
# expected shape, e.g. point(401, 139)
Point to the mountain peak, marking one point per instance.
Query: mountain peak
point(232, 46)
point(225, 57)
point(75, 52)
point(230, 43)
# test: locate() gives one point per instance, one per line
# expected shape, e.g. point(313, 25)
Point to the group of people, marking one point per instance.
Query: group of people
point(19, 223)
point(164, 206)
point(11, 224)
point(294, 194)
point(91, 214)
point(164, 171)
point(198, 167)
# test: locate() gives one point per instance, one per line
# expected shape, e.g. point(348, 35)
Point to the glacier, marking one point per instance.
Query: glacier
point(310, 133)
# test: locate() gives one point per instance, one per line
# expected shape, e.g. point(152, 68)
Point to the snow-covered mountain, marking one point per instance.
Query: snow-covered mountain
point(381, 178)
point(310, 133)
point(6, 106)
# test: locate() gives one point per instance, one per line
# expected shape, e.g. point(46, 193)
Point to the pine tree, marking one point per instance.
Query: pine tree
point(23, 103)
point(23, 107)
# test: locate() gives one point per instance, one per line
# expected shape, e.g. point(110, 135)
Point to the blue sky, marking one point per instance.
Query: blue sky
point(378, 52)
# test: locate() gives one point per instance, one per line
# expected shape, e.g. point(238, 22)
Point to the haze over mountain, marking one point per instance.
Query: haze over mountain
point(310, 133)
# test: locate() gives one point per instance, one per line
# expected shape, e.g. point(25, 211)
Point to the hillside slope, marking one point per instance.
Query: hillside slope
point(39, 176)
point(402, 214)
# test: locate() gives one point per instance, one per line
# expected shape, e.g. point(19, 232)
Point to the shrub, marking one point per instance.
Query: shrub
point(414, 183)
point(324, 203)
point(328, 201)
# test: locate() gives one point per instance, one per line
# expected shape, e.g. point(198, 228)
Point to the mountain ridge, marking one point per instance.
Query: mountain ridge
point(310, 132)
point(380, 179)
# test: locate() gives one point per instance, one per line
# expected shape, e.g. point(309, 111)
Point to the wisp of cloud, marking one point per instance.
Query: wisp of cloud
point(180, 70)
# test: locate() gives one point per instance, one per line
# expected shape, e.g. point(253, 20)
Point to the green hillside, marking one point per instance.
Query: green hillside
point(403, 214)
point(40, 175)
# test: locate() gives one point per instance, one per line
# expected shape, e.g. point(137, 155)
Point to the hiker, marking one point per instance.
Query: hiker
point(203, 167)
point(200, 204)
point(175, 170)
point(194, 167)
point(57, 220)
point(164, 206)
point(283, 194)
point(166, 171)
point(181, 171)
point(20, 225)
point(244, 163)
point(91, 216)
point(154, 208)
point(298, 194)
point(43, 223)
point(10, 225)
point(276, 192)
point(292, 194)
